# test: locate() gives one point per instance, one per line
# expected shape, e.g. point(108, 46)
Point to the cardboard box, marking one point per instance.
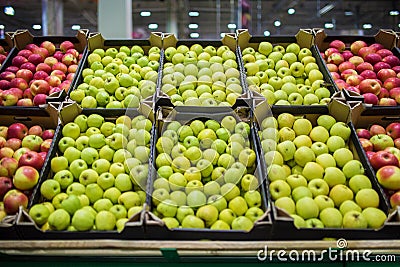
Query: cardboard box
point(304, 38)
point(8, 44)
point(386, 37)
point(7, 226)
point(156, 228)
point(283, 227)
point(96, 40)
point(27, 228)
point(170, 40)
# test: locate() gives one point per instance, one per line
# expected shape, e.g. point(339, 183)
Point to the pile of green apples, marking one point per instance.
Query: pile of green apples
point(118, 77)
point(198, 76)
point(285, 76)
point(98, 177)
point(205, 176)
point(315, 177)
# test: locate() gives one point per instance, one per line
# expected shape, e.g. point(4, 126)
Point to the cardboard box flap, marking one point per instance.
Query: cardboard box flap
point(68, 111)
point(97, 40)
point(243, 37)
point(386, 37)
point(340, 110)
point(229, 40)
point(305, 38)
point(9, 38)
point(169, 39)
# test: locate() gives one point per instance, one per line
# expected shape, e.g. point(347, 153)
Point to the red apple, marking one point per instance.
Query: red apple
point(48, 134)
point(29, 66)
point(392, 60)
point(395, 94)
point(13, 143)
point(354, 80)
point(26, 177)
point(353, 89)
point(395, 199)
point(42, 51)
point(335, 75)
point(384, 93)
point(43, 67)
point(53, 80)
point(50, 61)
point(65, 85)
point(383, 158)
point(357, 45)
point(43, 154)
point(370, 86)
point(72, 68)
point(335, 58)
point(10, 164)
point(347, 55)
point(31, 158)
point(35, 59)
point(24, 53)
point(364, 51)
point(368, 74)
point(346, 73)
point(387, 102)
point(58, 55)
point(393, 130)
point(384, 74)
point(28, 94)
point(45, 146)
point(70, 76)
point(13, 199)
point(6, 152)
point(366, 144)
point(35, 130)
point(17, 130)
point(341, 84)
point(364, 66)
point(381, 65)
point(25, 74)
point(391, 83)
point(377, 129)
point(39, 99)
point(54, 90)
point(7, 75)
point(373, 58)
point(60, 66)
point(19, 83)
point(69, 59)
point(389, 177)
point(363, 133)
point(330, 51)
point(40, 87)
point(64, 46)
point(40, 75)
point(31, 46)
point(346, 65)
point(338, 44)
point(59, 74)
point(370, 98)
point(376, 46)
point(5, 186)
point(384, 52)
point(356, 60)
point(49, 46)
point(18, 61)
point(396, 69)
point(4, 84)
point(12, 69)
point(17, 154)
point(369, 154)
point(396, 143)
point(25, 102)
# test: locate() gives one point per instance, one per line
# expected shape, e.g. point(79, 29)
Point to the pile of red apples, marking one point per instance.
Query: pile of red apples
point(38, 71)
point(369, 70)
point(23, 152)
point(382, 146)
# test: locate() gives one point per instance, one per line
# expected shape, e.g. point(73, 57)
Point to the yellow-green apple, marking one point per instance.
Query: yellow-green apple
point(381, 141)
point(339, 193)
point(354, 219)
point(353, 167)
point(388, 177)
point(50, 188)
point(25, 178)
point(307, 208)
point(367, 197)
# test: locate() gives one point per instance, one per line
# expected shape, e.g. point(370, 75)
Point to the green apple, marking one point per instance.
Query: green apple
point(238, 205)
point(59, 220)
point(358, 182)
point(319, 134)
point(93, 192)
point(179, 197)
point(287, 204)
point(298, 221)
point(300, 192)
point(208, 213)
point(324, 202)
point(64, 178)
point(312, 170)
point(302, 140)
point(375, 217)
point(279, 188)
point(318, 187)
point(349, 205)
point(327, 121)
point(331, 217)
point(307, 208)
point(296, 180)
point(326, 160)
point(352, 167)
point(227, 215)
point(192, 221)
point(182, 212)
point(273, 157)
point(196, 199)
point(230, 191)
point(304, 155)
point(342, 156)
point(339, 193)
point(117, 168)
point(39, 213)
point(50, 188)
point(58, 163)
point(159, 195)
point(287, 149)
point(334, 176)
point(102, 204)
point(276, 172)
point(354, 219)
point(242, 223)
point(220, 225)
point(367, 197)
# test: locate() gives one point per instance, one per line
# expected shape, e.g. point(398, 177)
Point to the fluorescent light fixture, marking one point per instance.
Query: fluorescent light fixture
point(348, 13)
point(367, 26)
point(231, 26)
point(76, 27)
point(267, 33)
point(145, 13)
point(399, 25)
point(153, 26)
point(291, 11)
point(193, 14)
point(328, 25)
point(326, 9)
point(194, 35)
point(9, 10)
point(36, 26)
point(193, 26)
point(1, 27)
point(277, 23)
point(394, 13)
point(222, 34)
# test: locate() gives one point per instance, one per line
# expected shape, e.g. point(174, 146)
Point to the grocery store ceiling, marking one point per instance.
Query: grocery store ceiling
point(259, 16)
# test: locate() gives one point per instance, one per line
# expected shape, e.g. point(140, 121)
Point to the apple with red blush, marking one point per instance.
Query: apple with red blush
point(338, 44)
point(392, 60)
point(386, 101)
point(54, 90)
point(24, 53)
point(17, 130)
point(66, 45)
point(384, 74)
point(346, 73)
point(356, 46)
point(383, 158)
point(4, 84)
point(69, 59)
point(354, 80)
point(48, 134)
point(366, 144)
point(391, 82)
point(25, 74)
point(7, 75)
point(45, 146)
point(364, 51)
point(381, 65)
point(384, 52)
point(25, 102)
point(59, 74)
point(39, 99)
point(393, 130)
point(376, 46)
point(50, 61)
point(72, 68)
point(363, 133)
point(53, 80)
point(60, 66)
point(373, 58)
point(12, 69)
point(9, 97)
point(370, 98)
point(31, 158)
point(356, 60)
point(29, 66)
point(368, 74)
point(335, 58)
point(18, 61)
point(39, 87)
point(5, 185)
point(13, 143)
point(376, 129)
point(13, 199)
point(35, 59)
point(364, 66)
point(345, 66)
point(49, 46)
point(43, 67)
point(370, 86)
point(6, 152)
point(10, 164)
point(353, 89)
point(335, 75)
point(347, 55)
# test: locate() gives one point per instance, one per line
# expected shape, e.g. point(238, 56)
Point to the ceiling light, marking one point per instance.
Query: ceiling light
point(291, 11)
point(145, 13)
point(326, 9)
point(222, 34)
point(153, 26)
point(193, 14)
point(231, 26)
point(194, 35)
point(277, 23)
point(36, 26)
point(367, 26)
point(348, 13)
point(76, 27)
point(394, 13)
point(1, 27)
point(267, 33)
point(329, 25)
point(9, 10)
point(193, 26)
